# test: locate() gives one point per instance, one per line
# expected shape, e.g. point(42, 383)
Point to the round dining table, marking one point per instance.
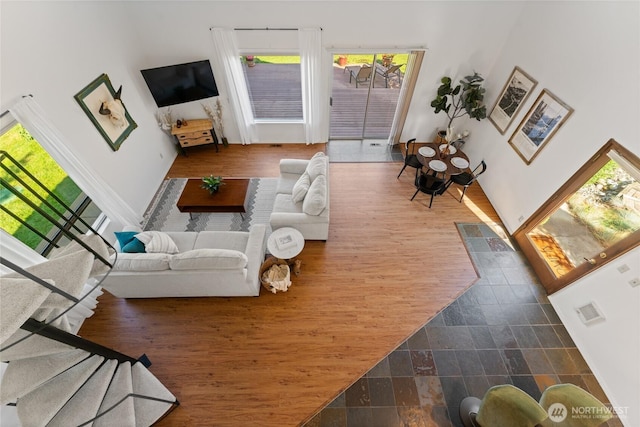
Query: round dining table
point(430, 156)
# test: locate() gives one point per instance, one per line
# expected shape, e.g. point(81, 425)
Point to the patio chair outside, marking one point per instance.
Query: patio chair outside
point(362, 76)
point(394, 69)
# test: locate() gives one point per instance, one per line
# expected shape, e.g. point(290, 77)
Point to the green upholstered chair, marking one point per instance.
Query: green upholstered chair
point(569, 396)
point(502, 406)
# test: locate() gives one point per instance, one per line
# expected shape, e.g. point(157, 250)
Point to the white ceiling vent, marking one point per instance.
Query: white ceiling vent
point(589, 313)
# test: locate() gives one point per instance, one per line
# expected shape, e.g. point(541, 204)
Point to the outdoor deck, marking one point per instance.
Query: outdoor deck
point(278, 97)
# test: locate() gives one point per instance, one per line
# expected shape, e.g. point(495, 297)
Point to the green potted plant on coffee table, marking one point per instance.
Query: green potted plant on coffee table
point(212, 183)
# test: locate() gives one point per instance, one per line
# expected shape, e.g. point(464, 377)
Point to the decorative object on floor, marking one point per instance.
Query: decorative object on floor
point(275, 275)
point(102, 104)
point(502, 405)
point(163, 214)
point(516, 90)
point(215, 114)
point(163, 116)
point(543, 120)
point(212, 183)
point(464, 99)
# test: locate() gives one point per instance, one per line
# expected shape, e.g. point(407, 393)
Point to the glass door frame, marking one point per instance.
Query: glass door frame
point(375, 53)
point(548, 279)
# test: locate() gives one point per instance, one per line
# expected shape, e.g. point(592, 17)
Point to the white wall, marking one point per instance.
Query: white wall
point(53, 49)
point(610, 347)
point(586, 53)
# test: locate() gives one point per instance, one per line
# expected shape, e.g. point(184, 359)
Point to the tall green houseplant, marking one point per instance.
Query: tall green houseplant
point(463, 99)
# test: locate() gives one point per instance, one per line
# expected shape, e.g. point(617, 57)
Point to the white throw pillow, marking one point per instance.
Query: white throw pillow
point(157, 241)
point(316, 199)
point(209, 259)
point(317, 166)
point(301, 187)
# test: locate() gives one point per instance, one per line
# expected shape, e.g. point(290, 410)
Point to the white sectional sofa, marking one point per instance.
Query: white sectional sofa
point(206, 264)
point(302, 199)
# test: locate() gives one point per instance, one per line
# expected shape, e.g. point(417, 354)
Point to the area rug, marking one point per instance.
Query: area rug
point(163, 215)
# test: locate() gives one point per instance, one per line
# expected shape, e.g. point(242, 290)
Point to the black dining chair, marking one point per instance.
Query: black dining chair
point(465, 179)
point(410, 158)
point(429, 184)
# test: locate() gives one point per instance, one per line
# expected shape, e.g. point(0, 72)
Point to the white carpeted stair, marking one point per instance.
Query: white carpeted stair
point(121, 386)
point(54, 384)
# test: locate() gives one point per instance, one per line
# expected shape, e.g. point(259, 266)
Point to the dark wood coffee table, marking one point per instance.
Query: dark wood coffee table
point(232, 197)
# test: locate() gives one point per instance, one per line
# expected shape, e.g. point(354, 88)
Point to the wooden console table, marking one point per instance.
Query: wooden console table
point(195, 132)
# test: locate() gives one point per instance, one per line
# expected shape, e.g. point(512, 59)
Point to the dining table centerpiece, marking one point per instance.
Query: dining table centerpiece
point(212, 183)
point(450, 138)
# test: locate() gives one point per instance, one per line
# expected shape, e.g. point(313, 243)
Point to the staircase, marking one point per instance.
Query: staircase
point(52, 376)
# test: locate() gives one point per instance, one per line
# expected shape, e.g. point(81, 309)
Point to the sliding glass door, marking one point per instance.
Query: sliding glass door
point(365, 93)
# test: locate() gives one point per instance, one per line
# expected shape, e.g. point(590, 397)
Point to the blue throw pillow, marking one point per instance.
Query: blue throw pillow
point(134, 246)
point(128, 243)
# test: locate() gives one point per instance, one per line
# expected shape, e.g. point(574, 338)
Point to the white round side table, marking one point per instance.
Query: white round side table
point(285, 243)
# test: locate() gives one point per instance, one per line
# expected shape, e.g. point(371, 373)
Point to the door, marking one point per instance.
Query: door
point(591, 220)
point(365, 93)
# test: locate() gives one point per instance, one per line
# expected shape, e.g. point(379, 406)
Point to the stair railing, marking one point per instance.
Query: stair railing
point(65, 224)
point(46, 329)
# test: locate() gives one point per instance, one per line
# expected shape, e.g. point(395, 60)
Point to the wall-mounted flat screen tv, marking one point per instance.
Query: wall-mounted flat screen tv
point(176, 84)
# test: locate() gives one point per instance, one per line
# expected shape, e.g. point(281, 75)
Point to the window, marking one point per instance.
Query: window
point(591, 220)
point(23, 221)
point(274, 85)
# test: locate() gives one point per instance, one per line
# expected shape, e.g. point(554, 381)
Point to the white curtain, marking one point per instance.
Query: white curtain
point(29, 113)
point(314, 105)
point(406, 90)
point(227, 57)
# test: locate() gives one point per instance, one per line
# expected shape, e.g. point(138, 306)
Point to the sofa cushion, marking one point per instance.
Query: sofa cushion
point(285, 204)
point(286, 181)
point(317, 166)
point(184, 240)
point(157, 241)
point(301, 187)
point(208, 259)
point(235, 240)
point(142, 262)
point(316, 199)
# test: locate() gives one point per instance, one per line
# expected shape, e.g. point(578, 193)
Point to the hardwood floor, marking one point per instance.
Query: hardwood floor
point(388, 266)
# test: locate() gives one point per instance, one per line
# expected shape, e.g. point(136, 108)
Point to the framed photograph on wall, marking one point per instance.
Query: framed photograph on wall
point(516, 90)
point(543, 120)
point(102, 104)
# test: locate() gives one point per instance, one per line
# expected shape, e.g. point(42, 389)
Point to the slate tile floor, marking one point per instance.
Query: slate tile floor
point(502, 330)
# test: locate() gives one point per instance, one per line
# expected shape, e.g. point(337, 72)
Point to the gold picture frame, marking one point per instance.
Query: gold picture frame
point(545, 117)
point(91, 98)
point(515, 92)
